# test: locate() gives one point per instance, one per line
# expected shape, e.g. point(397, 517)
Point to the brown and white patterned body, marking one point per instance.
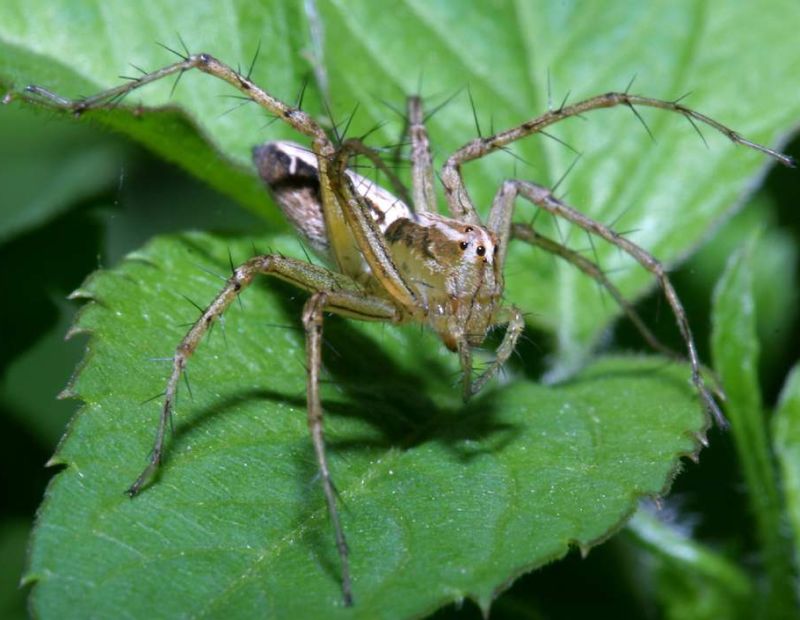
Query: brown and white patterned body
point(450, 265)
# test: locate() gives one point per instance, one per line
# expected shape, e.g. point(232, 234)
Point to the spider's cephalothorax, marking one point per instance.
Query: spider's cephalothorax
point(454, 271)
point(391, 263)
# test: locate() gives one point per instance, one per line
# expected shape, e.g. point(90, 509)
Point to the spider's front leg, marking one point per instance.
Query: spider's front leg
point(206, 63)
point(544, 199)
point(330, 292)
point(500, 224)
point(312, 321)
point(461, 206)
point(455, 190)
point(527, 233)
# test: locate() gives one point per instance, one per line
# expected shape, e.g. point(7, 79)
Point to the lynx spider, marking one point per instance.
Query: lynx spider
point(392, 263)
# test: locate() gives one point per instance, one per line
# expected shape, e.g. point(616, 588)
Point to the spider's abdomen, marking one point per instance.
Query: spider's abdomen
point(291, 173)
point(292, 176)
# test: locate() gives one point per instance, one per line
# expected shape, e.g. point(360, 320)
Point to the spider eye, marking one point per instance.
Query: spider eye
point(463, 245)
point(480, 250)
point(469, 229)
point(497, 245)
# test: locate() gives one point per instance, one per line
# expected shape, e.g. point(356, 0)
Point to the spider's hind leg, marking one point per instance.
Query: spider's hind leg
point(526, 232)
point(544, 199)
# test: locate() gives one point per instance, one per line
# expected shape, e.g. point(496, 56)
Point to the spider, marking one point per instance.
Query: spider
point(397, 259)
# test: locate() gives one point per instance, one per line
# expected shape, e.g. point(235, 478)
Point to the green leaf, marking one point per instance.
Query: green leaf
point(735, 58)
point(440, 501)
point(787, 447)
point(735, 351)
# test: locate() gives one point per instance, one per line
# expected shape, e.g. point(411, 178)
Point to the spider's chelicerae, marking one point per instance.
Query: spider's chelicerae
point(391, 262)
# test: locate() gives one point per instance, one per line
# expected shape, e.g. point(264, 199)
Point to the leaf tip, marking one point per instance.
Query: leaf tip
point(55, 460)
point(29, 579)
point(701, 438)
point(66, 393)
point(80, 293)
point(485, 605)
point(76, 330)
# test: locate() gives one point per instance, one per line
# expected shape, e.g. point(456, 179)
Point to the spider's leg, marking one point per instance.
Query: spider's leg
point(544, 199)
point(421, 160)
point(342, 246)
point(312, 321)
point(366, 232)
point(206, 63)
point(357, 147)
point(515, 326)
point(354, 304)
point(331, 292)
point(458, 199)
point(527, 233)
point(351, 303)
point(499, 222)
